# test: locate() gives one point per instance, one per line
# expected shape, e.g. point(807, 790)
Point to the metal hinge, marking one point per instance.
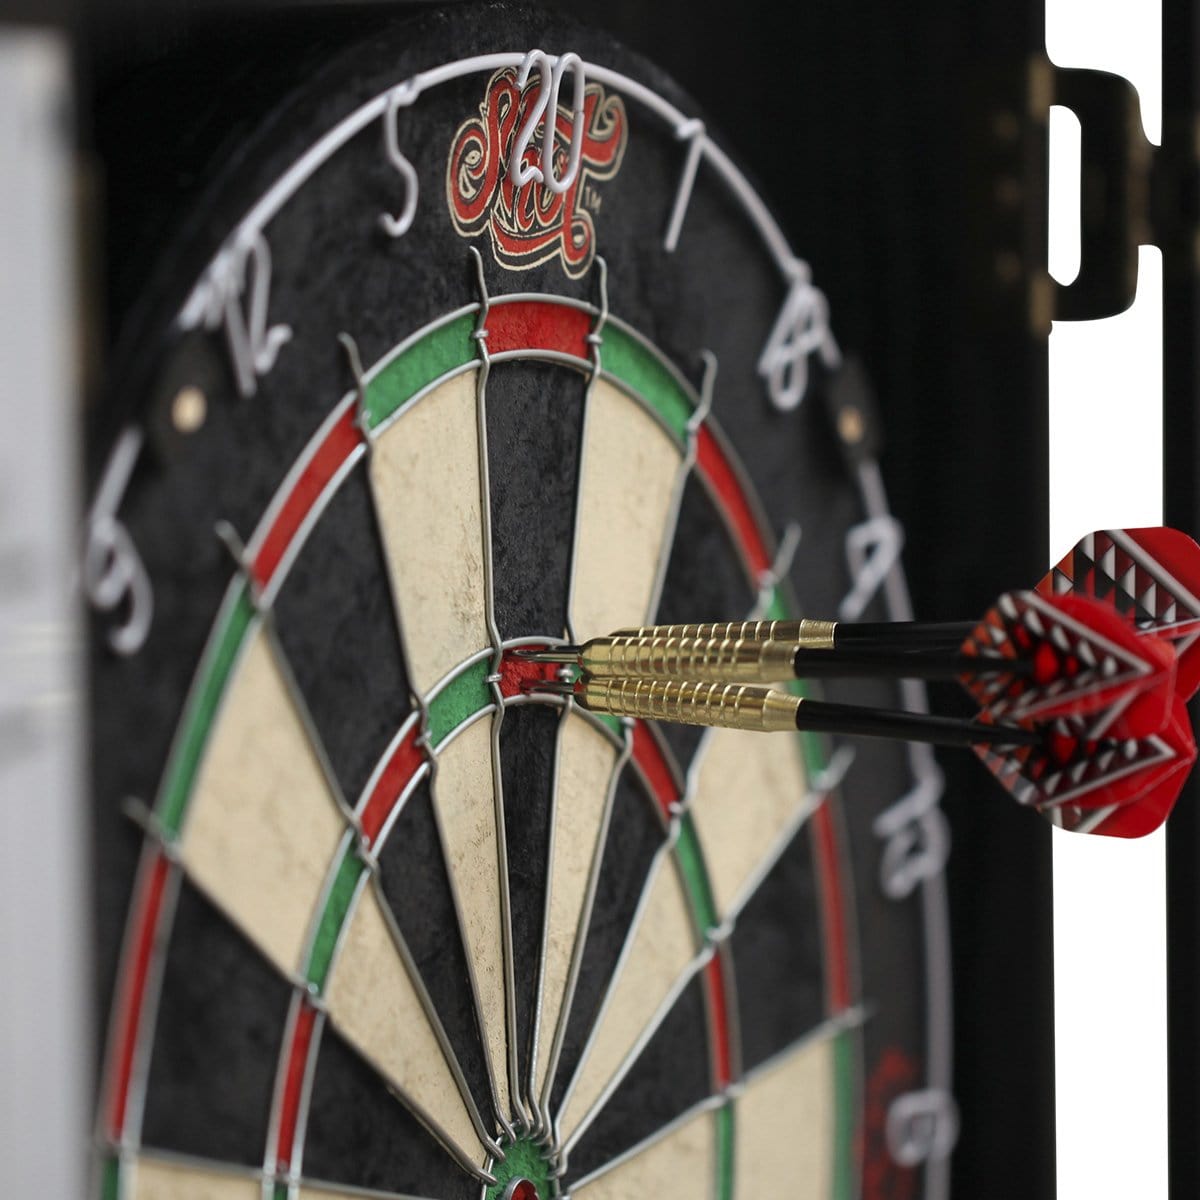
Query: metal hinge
point(1119, 172)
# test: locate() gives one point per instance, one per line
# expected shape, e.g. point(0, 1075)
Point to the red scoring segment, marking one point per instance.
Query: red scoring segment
point(518, 675)
point(405, 761)
point(538, 325)
point(729, 494)
point(130, 1006)
point(648, 755)
point(293, 1085)
point(343, 438)
point(521, 1189)
point(832, 909)
point(717, 998)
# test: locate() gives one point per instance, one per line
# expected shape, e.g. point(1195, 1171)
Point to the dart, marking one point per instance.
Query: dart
point(768, 710)
point(1122, 782)
point(1080, 682)
point(1118, 787)
point(1029, 656)
point(1087, 662)
point(1149, 577)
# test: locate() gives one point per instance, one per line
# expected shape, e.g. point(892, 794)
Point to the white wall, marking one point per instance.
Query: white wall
point(1106, 470)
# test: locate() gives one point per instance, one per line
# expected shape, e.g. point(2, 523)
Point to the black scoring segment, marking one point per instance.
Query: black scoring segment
point(635, 833)
point(336, 622)
point(360, 1135)
point(777, 956)
point(534, 421)
point(528, 738)
point(417, 889)
point(670, 1076)
point(705, 581)
point(217, 1040)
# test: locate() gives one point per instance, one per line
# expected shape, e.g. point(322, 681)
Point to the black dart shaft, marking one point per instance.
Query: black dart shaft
point(823, 716)
point(901, 635)
point(861, 662)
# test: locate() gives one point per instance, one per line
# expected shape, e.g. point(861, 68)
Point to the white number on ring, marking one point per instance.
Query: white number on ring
point(546, 104)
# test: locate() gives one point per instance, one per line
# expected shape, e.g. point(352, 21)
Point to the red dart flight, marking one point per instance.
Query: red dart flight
point(1118, 785)
point(1150, 578)
point(1070, 657)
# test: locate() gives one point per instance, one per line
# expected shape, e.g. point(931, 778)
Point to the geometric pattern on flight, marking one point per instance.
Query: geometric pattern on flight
point(1148, 575)
point(1151, 577)
point(1083, 658)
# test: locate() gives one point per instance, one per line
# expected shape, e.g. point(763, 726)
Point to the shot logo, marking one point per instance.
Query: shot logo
point(534, 223)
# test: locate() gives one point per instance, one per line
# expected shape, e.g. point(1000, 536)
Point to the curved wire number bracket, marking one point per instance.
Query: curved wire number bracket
point(801, 328)
point(397, 226)
point(693, 132)
point(921, 1125)
point(546, 104)
point(915, 834)
point(241, 272)
point(872, 550)
point(113, 572)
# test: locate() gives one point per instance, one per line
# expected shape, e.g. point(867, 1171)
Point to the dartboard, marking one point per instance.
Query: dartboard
point(483, 341)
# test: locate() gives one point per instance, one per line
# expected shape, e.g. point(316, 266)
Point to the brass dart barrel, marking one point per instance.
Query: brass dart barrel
point(728, 706)
point(809, 633)
point(705, 660)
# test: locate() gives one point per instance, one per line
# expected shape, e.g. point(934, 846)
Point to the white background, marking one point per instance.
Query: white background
point(1106, 470)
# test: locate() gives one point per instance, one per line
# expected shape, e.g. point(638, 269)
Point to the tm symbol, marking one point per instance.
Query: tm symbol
point(591, 198)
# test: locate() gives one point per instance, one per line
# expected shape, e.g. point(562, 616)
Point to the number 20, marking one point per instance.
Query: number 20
point(546, 104)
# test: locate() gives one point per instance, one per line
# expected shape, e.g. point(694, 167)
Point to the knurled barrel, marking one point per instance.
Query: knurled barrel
point(723, 660)
point(730, 705)
point(810, 633)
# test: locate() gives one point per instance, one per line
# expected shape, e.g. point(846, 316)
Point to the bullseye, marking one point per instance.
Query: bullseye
point(521, 1189)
